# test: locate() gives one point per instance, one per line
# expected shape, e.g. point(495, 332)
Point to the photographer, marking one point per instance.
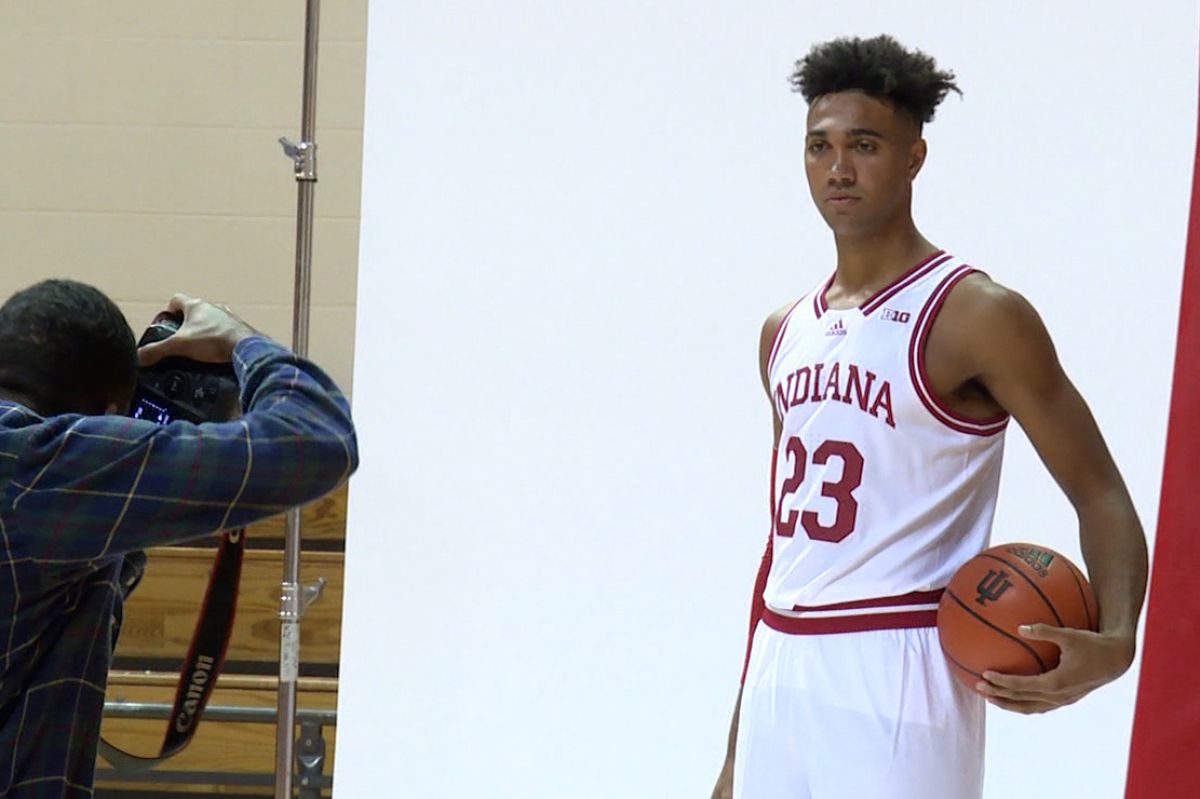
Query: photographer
point(85, 486)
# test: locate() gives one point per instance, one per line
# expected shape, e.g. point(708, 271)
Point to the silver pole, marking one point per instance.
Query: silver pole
point(294, 598)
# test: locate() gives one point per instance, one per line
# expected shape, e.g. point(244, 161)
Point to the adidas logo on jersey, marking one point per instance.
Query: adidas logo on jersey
point(838, 329)
point(892, 315)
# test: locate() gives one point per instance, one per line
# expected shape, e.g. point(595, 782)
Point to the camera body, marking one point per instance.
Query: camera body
point(182, 389)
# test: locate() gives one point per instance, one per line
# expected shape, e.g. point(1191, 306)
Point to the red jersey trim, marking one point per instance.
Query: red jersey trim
point(859, 623)
point(919, 271)
point(819, 305)
point(774, 461)
point(757, 603)
point(901, 282)
point(920, 376)
point(787, 317)
point(914, 598)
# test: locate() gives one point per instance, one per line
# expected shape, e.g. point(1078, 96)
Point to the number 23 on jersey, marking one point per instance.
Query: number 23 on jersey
point(795, 460)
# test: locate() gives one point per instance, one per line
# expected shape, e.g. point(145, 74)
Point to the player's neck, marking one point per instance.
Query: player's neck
point(868, 263)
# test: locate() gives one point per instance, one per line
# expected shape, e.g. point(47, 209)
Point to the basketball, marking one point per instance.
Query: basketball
point(997, 591)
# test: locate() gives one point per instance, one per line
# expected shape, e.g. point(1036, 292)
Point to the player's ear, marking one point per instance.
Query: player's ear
point(916, 157)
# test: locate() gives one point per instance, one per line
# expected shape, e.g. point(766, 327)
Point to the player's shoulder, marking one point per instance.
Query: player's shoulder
point(771, 326)
point(981, 302)
point(770, 331)
point(979, 296)
point(774, 319)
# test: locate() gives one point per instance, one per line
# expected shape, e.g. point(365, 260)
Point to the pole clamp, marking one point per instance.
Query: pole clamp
point(296, 598)
point(303, 155)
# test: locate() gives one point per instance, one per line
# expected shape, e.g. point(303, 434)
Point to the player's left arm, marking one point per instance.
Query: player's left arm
point(1012, 356)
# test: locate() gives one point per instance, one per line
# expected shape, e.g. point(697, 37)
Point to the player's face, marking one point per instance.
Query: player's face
point(861, 156)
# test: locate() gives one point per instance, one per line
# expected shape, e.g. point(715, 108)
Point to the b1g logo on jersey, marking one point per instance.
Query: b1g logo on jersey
point(892, 315)
point(992, 586)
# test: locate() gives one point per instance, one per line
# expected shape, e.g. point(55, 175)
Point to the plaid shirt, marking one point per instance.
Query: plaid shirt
point(82, 492)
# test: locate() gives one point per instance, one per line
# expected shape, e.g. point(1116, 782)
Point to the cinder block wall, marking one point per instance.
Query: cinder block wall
point(138, 153)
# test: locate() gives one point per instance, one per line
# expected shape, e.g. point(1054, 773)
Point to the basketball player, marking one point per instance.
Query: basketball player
point(892, 383)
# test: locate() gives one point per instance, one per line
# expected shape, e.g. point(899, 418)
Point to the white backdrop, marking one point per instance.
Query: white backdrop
point(575, 217)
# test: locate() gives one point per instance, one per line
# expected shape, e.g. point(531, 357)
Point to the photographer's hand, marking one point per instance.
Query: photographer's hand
point(209, 333)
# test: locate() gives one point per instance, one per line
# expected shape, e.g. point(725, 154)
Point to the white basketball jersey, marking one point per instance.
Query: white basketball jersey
point(879, 491)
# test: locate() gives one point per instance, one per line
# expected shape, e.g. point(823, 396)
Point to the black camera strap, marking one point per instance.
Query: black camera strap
point(203, 663)
point(180, 389)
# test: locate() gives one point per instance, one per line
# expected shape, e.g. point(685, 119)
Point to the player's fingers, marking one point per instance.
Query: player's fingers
point(1037, 684)
point(1055, 635)
point(1021, 694)
point(1028, 702)
point(1049, 687)
point(991, 690)
point(1026, 708)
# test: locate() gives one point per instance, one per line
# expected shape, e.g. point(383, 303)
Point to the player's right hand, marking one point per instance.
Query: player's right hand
point(209, 333)
point(724, 787)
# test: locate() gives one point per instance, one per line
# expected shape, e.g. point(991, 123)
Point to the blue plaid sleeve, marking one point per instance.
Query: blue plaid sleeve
point(88, 487)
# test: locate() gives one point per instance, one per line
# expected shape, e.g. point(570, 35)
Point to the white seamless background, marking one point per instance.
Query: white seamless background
point(575, 217)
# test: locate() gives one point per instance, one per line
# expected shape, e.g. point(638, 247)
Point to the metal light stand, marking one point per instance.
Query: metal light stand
point(295, 598)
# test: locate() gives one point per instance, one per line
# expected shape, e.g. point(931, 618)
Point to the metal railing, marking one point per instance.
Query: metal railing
point(308, 769)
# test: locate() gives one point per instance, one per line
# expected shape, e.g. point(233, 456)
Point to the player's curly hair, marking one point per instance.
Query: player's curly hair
point(880, 67)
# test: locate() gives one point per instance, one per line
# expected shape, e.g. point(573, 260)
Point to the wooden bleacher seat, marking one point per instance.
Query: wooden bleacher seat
point(161, 614)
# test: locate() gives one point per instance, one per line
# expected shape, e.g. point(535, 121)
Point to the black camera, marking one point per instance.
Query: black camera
point(182, 389)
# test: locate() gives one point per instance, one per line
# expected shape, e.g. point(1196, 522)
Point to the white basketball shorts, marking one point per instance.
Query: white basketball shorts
point(859, 715)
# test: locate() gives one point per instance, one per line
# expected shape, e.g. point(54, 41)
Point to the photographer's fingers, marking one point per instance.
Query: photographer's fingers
point(180, 303)
point(155, 352)
point(152, 353)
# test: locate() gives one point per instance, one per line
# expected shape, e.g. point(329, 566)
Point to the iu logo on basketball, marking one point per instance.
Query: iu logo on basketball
point(992, 587)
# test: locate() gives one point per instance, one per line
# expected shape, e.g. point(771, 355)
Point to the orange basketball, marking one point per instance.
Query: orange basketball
point(997, 591)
